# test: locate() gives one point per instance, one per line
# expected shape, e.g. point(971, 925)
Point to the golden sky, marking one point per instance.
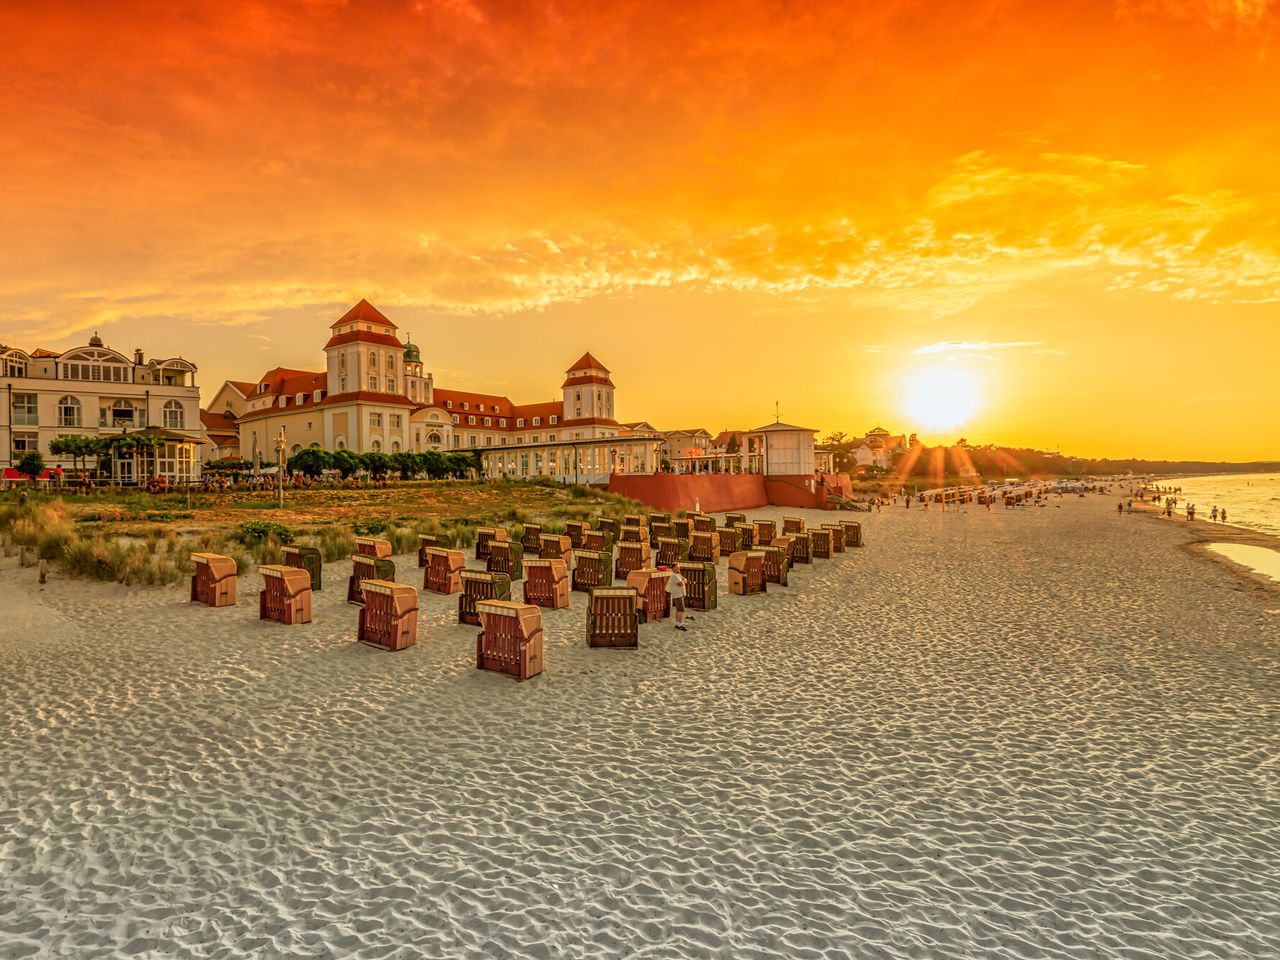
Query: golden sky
point(1070, 208)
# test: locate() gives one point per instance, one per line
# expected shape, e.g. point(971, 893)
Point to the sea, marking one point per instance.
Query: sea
point(1252, 499)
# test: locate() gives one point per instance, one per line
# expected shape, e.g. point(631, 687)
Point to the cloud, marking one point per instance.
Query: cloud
point(960, 346)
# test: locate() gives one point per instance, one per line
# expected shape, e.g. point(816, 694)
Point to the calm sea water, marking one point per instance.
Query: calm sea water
point(1252, 499)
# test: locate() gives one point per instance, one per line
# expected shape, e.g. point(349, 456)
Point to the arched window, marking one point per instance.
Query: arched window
point(69, 414)
point(433, 438)
point(340, 445)
point(296, 448)
point(395, 446)
point(376, 446)
point(175, 417)
point(314, 446)
point(373, 359)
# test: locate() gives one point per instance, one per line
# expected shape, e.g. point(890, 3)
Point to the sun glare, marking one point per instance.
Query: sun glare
point(940, 398)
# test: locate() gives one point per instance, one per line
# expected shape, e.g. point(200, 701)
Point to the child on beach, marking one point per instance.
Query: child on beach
point(675, 588)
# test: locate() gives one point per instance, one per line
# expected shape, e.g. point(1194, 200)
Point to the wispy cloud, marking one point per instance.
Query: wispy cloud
point(961, 346)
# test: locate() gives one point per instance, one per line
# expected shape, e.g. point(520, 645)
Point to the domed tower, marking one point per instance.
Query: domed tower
point(417, 387)
point(588, 391)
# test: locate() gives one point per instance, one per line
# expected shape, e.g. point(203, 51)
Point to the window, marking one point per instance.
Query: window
point(553, 420)
point(520, 422)
point(503, 441)
point(577, 395)
point(340, 445)
point(391, 361)
point(342, 384)
point(373, 360)
point(577, 412)
point(433, 438)
point(308, 424)
point(69, 414)
point(395, 446)
point(395, 421)
point(466, 405)
point(17, 367)
point(537, 421)
point(455, 418)
point(296, 448)
point(391, 384)
point(373, 383)
point(457, 440)
point(502, 422)
point(297, 399)
point(342, 361)
point(471, 421)
point(535, 438)
point(376, 446)
point(488, 421)
point(25, 443)
point(488, 441)
point(448, 404)
point(473, 440)
point(375, 419)
point(24, 410)
point(175, 418)
point(519, 439)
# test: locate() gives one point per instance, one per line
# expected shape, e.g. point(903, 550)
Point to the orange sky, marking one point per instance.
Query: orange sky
point(730, 204)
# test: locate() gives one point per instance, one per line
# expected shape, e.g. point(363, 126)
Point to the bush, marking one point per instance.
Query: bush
point(336, 543)
point(369, 528)
point(253, 532)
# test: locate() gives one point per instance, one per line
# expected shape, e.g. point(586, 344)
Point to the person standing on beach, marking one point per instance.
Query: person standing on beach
point(1222, 514)
point(1213, 514)
point(1120, 507)
point(675, 587)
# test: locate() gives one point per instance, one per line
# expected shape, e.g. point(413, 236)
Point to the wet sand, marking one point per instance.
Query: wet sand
point(1035, 733)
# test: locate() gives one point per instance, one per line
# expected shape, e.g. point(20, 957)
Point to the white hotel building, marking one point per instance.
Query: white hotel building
point(99, 392)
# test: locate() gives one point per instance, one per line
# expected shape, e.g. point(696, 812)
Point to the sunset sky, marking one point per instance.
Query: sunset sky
point(1070, 209)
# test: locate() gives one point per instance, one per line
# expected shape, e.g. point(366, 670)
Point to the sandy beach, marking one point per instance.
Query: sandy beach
point(1035, 733)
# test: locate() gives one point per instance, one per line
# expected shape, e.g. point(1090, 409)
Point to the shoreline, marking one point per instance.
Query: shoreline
point(1203, 534)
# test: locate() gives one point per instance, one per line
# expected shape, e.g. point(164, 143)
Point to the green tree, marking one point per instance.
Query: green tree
point(31, 465)
point(378, 464)
point(346, 462)
point(311, 462)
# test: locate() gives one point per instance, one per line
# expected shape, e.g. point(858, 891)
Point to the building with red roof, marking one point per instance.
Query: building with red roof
point(374, 395)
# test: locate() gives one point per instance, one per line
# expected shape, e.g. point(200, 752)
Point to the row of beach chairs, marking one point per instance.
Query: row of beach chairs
point(510, 638)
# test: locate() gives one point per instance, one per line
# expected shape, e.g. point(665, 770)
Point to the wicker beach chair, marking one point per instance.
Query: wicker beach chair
point(671, 551)
point(592, 568)
point(705, 547)
point(308, 559)
point(486, 536)
point(443, 572)
point(389, 617)
point(613, 617)
point(213, 581)
point(510, 638)
point(365, 567)
point(651, 587)
point(506, 556)
point(480, 585)
point(631, 556)
point(286, 594)
point(546, 583)
point(373, 547)
point(746, 572)
point(700, 585)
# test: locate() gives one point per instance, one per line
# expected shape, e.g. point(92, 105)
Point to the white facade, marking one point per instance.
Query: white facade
point(98, 392)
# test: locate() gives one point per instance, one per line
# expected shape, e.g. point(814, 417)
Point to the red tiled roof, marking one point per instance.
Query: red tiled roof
point(363, 336)
point(552, 408)
point(244, 387)
point(367, 396)
point(362, 312)
point(458, 397)
point(218, 423)
point(588, 362)
point(573, 381)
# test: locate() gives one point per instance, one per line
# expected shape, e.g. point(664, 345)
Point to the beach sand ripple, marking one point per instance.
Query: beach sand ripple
point(1028, 734)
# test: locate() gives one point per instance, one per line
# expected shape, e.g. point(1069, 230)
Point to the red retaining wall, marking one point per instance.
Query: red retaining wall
point(669, 492)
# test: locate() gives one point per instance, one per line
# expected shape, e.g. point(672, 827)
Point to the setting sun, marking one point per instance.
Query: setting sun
point(940, 398)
